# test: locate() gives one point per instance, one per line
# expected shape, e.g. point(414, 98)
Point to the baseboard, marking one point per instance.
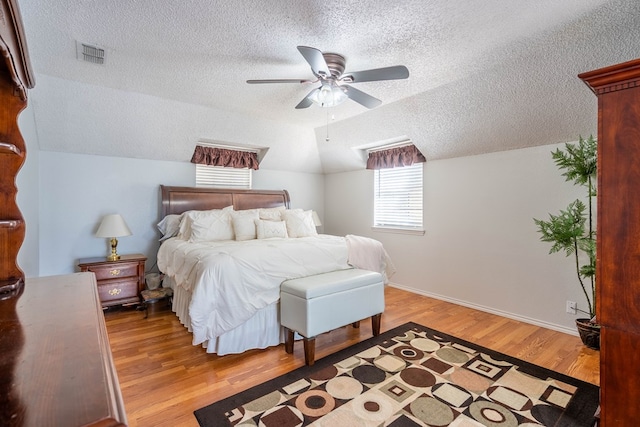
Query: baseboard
point(506, 314)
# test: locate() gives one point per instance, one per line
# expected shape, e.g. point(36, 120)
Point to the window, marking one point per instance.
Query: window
point(222, 177)
point(225, 165)
point(398, 197)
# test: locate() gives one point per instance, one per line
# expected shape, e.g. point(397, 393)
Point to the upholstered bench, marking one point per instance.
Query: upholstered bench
point(317, 304)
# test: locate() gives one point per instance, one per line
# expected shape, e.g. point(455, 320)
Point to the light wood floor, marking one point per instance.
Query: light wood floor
point(164, 378)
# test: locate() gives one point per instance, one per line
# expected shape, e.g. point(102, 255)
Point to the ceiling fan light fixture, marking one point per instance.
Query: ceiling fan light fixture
point(335, 87)
point(329, 95)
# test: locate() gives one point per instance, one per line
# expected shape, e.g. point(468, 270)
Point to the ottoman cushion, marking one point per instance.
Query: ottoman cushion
point(330, 283)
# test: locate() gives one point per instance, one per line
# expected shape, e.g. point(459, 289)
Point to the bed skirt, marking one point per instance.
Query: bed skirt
point(260, 331)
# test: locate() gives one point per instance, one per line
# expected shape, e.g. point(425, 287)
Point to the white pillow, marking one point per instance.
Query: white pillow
point(244, 223)
point(271, 214)
point(185, 226)
point(169, 226)
point(299, 223)
point(266, 229)
point(208, 226)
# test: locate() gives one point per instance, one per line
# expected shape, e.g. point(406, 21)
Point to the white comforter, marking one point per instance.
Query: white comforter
point(230, 281)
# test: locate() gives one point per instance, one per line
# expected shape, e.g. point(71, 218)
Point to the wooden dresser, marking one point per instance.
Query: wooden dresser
point(618, 263)
point(56, 366)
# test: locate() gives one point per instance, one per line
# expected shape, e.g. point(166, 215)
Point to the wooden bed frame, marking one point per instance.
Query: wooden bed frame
point(176, 200)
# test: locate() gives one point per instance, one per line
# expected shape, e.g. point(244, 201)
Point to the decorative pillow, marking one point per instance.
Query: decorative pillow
point(169, 226)
point(266, 229)
point(299, 223)
point(272, 214)
point(244, 223)
point(208, 226)
point(185, 226)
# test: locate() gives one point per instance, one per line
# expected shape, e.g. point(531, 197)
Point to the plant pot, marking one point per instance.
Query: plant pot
point(589, 333)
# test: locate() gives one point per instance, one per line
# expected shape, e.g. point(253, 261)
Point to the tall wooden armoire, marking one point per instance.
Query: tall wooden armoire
point(618, 240)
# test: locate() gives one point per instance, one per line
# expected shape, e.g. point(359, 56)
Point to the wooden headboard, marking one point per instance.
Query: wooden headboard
point(175, 200)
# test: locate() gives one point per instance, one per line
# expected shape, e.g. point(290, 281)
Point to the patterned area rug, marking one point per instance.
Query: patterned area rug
point(412, 376)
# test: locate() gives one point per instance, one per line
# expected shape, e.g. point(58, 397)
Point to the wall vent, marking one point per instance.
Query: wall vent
point(90, 53)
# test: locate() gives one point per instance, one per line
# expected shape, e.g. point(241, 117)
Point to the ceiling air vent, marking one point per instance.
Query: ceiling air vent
point(90, 53)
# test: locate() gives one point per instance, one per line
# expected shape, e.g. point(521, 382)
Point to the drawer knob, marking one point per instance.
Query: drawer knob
point(114, 291)
point(115, 272)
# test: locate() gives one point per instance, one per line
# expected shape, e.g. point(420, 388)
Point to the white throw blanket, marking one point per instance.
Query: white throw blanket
point(369, 254)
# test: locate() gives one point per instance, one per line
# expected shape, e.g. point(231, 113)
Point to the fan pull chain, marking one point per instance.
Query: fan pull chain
point(327, 138)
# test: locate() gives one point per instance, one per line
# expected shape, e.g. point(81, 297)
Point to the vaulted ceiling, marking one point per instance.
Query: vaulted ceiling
point(484, 76)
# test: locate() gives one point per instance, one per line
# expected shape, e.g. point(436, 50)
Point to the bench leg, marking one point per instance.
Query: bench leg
point(375, 324)
point(309, 351)
point(288, 341)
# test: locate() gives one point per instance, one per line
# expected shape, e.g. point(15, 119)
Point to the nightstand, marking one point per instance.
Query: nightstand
point(119, 282)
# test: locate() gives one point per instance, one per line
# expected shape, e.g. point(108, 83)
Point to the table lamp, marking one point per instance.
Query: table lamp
point(113, 226)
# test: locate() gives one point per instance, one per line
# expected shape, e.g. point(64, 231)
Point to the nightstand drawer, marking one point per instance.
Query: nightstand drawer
point(115, 271)
point(117, 290)
point(120, 281)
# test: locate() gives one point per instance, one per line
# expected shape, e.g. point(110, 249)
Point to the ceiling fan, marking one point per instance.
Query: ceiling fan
point(334, 85)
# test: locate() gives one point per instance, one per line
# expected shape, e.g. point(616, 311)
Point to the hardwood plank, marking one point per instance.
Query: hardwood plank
point(164, 378)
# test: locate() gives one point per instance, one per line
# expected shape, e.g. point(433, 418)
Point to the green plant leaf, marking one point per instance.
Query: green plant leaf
point(579, 161)
point(565, 229)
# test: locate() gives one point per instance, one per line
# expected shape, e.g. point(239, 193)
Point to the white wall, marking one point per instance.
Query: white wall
point(76, 190)
point(306, 190)
point(481, 247)
point(28, 194)
point(87, 119)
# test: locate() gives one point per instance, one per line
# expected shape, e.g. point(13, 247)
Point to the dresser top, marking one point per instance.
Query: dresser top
point(57, 366)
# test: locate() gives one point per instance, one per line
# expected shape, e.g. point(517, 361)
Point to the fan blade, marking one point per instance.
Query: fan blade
point(315, 59)
point(396, 72)
point(360, 97)
point(306, 102)
point(251, 82)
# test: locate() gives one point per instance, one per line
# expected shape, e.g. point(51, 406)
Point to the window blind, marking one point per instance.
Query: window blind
point(222, 177)
point(398, 197)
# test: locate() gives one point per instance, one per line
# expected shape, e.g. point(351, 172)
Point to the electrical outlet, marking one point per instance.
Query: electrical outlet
point(572, 307)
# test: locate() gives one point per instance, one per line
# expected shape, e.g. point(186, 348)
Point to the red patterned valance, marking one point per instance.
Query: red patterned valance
point(395, 157)
point(213, 156)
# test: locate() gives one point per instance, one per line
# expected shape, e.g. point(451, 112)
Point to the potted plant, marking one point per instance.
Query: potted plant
point(572, 230)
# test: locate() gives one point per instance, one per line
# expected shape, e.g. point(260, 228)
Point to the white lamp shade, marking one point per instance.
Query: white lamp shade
point(113, 226)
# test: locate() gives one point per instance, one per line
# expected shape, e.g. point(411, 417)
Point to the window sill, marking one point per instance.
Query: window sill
point(397, 230)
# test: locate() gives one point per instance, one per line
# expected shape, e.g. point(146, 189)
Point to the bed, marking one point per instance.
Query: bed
point(226, 287)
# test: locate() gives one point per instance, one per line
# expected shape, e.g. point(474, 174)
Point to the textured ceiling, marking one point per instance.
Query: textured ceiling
point(484, 76)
